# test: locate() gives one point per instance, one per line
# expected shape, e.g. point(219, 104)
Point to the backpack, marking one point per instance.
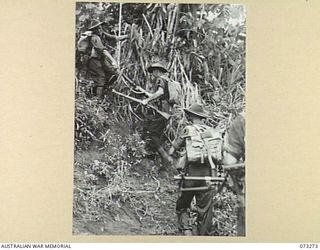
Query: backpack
point(202, 139)
point(174, 89)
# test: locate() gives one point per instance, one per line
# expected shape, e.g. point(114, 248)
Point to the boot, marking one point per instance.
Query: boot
point(184, 221)
point(187, 232)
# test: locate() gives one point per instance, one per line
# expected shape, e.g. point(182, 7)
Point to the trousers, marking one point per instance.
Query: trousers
point(102, 76)
point(204, 201)
point(238, 187)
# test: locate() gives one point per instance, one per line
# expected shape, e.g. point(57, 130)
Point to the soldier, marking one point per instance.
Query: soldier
point(234, 152)
point(101, 65)
point(204, 199)
point(156, 124)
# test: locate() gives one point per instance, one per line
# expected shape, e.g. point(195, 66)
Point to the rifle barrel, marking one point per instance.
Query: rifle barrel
point(195, 188)
point(198, 178)
point(164, 114)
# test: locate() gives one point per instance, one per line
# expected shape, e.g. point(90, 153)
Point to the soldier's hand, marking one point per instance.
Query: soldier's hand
point(145, 102)
point(87, 33)
point(138, 88)
point(121, 38)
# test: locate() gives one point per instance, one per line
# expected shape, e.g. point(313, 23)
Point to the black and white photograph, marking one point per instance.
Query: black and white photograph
point(159, 126)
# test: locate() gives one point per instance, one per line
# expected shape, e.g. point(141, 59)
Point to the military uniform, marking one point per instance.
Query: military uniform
point(204, 199)
point(102, 68)
point(155, 124)
point(234, 143)
point(101, 65)
point(235, 146)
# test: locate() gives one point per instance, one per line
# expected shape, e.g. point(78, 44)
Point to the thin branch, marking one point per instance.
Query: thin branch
point(149, 27)
point(119, 42)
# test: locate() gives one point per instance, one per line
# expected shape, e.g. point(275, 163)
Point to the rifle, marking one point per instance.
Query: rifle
point(136, 86)
point(198, 178)
point(163, 114)
point(221, 180)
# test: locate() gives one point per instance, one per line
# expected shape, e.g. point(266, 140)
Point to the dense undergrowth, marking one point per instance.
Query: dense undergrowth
point(114, 181)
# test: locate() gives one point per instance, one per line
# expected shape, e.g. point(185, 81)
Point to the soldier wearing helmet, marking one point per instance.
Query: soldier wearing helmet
point(102, 67)
point(234, 152)
point(204, 202)
point(159, 95)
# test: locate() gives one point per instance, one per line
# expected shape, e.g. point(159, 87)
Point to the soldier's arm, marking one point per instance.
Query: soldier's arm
point(153, 96)
point(178, 142)
point(83, 42)
point(138, 88)
point(234, 147)
point(229, 159)
point(97, 44)
point(160, 91)
point(117, 38)
point(109, 57)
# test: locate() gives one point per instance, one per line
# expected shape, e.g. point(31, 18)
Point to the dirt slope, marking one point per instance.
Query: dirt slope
point(146, 206)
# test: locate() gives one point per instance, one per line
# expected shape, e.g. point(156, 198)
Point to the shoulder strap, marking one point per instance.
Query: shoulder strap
point(197, 127)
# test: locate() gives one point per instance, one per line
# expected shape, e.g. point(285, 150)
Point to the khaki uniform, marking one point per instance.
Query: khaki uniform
point(204, 199)
point(155, 123)
point(235, 145)
point(101, 65)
